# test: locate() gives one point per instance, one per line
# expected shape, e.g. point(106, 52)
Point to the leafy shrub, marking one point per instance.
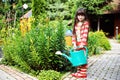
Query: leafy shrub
point(49, 75)
point(36, 50)
point(103, 40)
point(119, 38)
point(97, 42)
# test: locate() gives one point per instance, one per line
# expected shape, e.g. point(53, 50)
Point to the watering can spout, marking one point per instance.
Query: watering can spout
point(64, 55)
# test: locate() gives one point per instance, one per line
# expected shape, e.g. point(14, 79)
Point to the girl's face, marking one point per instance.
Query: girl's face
point(81, 17)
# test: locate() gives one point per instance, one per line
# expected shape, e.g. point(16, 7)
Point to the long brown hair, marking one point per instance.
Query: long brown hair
point(80, 11)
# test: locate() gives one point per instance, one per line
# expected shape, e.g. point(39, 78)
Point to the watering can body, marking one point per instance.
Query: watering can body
point(77, 58)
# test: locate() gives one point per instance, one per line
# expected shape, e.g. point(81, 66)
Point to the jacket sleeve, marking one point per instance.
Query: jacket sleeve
point(85, 34)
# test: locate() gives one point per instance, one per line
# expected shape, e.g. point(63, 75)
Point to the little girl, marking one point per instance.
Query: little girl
point(79, 38)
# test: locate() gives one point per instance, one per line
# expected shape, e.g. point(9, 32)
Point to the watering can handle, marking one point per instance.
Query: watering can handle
point(86, 50)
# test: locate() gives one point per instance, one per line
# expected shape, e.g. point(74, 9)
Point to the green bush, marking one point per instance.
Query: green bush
point(49, 75)
point(103, 40)
point(36, 50)
point(97, 42)
point(119, 38)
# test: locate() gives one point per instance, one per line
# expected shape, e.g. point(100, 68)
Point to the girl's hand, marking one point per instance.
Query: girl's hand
point(74, 45)
point(79, 48)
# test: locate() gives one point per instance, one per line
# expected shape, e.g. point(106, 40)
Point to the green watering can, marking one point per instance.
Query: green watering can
point(77, 58)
